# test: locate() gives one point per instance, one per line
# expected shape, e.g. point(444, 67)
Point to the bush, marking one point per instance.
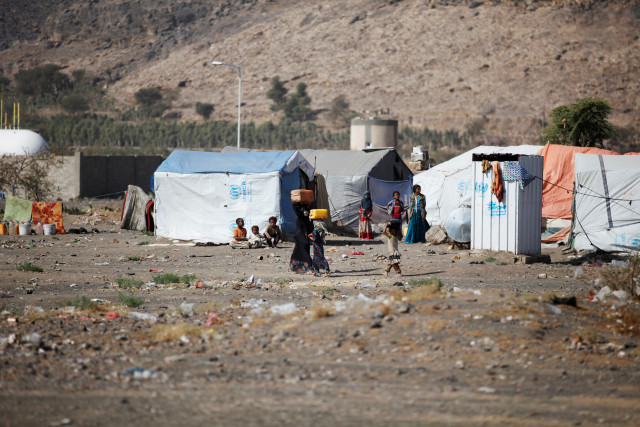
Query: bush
point(625, 278)
point(27, 266)
point(204, 109)
point(130, 283)
point(339, 112)
point(74, 104)
point(169, 278)
point(42, 81)
point(27, 175)
point(83, 303)
point(148, 96)
point(129, 300)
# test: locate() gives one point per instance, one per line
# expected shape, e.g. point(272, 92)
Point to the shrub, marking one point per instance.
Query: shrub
point(130, 283)
point(129, 300)
point(148, 96)
point(169, 278)
point(74, 104)
point(83, 303)
point(625, 278)
point(27, 266)
point(204, 109)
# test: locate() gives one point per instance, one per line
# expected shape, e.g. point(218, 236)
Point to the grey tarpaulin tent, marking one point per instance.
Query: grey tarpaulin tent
point(349, 173)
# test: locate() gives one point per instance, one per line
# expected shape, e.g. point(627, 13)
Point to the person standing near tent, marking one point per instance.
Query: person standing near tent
point(300, 258)
point(418, 225)
point(366, 209)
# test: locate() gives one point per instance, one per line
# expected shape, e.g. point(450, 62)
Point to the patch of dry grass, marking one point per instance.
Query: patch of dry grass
point(623, 278)
point(171, 332)
point(316, 313)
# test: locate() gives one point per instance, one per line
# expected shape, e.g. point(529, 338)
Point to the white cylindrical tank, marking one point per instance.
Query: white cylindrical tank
point(512, 224)
point(373, 133)
point(21, 142)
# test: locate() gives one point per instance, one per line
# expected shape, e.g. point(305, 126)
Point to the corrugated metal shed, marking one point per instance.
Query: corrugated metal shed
point(514, 224)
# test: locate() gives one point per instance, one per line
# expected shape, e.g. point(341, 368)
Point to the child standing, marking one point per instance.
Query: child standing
point(366, 210)
point(272, 234)
point(395, 207)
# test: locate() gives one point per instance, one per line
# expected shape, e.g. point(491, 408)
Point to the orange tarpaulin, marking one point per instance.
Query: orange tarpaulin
point(559, 169)
point(48, 213)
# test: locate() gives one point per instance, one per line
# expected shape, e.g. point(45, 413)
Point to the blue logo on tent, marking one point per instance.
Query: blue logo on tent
point(235, 192)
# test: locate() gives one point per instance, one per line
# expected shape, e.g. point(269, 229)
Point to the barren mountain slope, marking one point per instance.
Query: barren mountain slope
point(432, 63)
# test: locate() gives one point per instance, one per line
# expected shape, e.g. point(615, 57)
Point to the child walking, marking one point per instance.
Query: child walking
point(393, 231)
point(317, 238)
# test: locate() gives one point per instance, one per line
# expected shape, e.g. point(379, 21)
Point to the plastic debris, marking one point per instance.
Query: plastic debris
point(186, 309)
point(284, 309)
point(603, 293)
point(367, 284)
point(616, 263)
point(142, 316)
point(578, 272)
point(212, 319)
point(138, 373)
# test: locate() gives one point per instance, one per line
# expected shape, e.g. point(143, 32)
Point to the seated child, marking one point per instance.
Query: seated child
point(273, 234)
point(239, 236)
point(255, 239)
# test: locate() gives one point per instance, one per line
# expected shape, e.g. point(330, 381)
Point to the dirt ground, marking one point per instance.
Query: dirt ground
point(486, 347)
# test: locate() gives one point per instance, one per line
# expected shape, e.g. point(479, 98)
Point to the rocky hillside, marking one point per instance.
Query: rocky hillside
point(500, 65)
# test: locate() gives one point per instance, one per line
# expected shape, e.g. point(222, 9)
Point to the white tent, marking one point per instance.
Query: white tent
point(607, 202)
point(199, 195)
point(449, 185)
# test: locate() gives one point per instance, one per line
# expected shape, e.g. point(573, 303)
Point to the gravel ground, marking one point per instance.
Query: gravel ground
point(484, 344)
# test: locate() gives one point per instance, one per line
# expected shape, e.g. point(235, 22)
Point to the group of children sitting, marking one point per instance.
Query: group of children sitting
point(270, 237)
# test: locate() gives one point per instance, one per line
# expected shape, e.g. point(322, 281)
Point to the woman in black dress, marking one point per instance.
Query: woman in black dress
point(300, 258)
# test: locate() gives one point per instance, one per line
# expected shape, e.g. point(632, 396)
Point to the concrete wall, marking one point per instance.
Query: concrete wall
point(90, 176)
point(373, 133)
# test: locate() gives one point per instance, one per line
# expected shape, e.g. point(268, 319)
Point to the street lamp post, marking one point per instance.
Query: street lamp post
point(239, 90)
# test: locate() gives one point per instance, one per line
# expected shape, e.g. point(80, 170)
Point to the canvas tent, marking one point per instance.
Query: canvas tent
point(559, 176)
point(449, 185)
point(349, 173)
point(607, 202)
point(199, 195)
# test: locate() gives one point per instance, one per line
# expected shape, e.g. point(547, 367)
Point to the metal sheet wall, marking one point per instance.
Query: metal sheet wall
point(512, 225)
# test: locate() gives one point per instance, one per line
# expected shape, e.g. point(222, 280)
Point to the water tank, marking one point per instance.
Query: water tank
point(373, 133)
point(21, 142)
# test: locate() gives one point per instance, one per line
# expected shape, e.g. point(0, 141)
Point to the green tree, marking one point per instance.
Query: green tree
point(296, 106)
point(41, 81)
point(277, 93)
point(340, 112)
point(204, 109)
point(75, 104)
point(4, 82)
point(583, 123)
point(148, 96)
